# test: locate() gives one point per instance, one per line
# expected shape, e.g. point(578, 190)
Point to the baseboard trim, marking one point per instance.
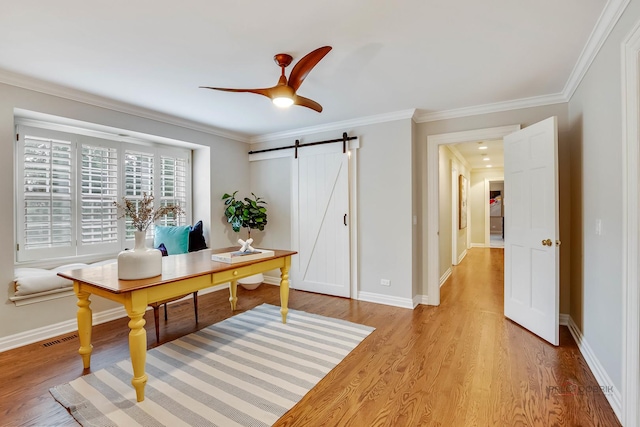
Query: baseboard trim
point(564, 319)
point(420, 300)
point(50, 331)
point(478, 245)
point(603, 379)
point(445, 276)
point(273, 280)
point(462, 255)
point(386, 299)
point(46, 332)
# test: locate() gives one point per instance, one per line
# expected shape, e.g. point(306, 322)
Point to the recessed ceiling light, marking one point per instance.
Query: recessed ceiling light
point(482, 147)
point(486, 159)
point(488, 166)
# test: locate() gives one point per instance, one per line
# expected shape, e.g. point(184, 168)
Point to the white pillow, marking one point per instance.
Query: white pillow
point(33, 283)
point(34, 280)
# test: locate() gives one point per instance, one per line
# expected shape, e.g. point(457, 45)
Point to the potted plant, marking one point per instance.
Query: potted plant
point(250, 214)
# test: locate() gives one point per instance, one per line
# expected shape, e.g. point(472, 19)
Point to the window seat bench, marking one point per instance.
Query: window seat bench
point(38, 284)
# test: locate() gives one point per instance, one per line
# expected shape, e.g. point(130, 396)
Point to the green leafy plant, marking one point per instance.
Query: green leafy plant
point(248, 213)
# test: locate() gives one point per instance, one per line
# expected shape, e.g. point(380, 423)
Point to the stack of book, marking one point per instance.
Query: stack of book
point(237, 256)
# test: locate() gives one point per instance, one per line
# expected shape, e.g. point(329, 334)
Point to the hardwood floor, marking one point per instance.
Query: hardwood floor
point(459, 364)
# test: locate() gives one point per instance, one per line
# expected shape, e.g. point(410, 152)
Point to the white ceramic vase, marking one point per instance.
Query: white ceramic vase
point(140, 262)
point(251, 282)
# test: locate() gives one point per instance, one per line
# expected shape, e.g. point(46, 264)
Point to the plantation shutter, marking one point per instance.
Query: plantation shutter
point(66, 185)
point(138, 168)
point(173, 187)
point(45, 199)
point(98, 191)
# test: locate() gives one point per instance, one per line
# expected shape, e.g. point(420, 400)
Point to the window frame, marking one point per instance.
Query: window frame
point(40, 253)
point(77, 138)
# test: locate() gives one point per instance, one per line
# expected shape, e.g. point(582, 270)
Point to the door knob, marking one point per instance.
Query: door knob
point(547, 242)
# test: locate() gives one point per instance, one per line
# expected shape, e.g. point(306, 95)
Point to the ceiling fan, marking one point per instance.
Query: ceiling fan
point(284, 93)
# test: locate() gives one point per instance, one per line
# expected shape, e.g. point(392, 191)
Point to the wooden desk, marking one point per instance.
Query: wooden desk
point(181, 274)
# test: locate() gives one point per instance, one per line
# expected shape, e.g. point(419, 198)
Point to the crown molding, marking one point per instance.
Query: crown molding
point(48, 88)
point(610, 15)
point(363, 121)
point(608, 18)
point(605, 24)
point(497, 107)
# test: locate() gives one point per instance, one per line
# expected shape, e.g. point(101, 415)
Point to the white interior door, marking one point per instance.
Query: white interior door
point(321, 221)
point(531, 255)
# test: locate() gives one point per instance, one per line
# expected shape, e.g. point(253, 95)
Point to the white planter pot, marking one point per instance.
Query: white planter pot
point(251, 282)
point(140, 262)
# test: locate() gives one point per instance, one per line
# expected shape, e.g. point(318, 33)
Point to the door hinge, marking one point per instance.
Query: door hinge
point(17, 246)
point(17, 137)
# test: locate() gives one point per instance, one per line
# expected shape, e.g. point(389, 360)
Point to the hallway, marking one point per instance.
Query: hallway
point(504, 374)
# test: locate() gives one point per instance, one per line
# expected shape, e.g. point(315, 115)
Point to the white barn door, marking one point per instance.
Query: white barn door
point(321, 221)
point(531, 254)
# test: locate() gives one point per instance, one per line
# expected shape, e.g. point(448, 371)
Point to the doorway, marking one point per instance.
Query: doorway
point(531, 271)
point(430, 233)
point(494, 213)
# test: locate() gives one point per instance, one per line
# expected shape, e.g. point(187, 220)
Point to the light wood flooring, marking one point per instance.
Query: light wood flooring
point(459, 364)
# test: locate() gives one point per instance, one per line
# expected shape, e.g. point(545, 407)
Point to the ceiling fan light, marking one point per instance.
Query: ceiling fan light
point(283, 102)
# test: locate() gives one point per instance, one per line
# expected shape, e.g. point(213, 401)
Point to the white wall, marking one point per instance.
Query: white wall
point(385, 202)
point(445, 213)
point(448, 215)
point(271, 180)
point(595, 115)
point(227, 163)
point(415, 209)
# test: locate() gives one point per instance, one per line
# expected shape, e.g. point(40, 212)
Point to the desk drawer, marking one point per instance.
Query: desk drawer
point(245, 271)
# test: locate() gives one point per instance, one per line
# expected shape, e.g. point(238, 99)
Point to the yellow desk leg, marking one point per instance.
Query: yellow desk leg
point(284, 289)
point(84, 325)
point(136, 307)
point(233, 294)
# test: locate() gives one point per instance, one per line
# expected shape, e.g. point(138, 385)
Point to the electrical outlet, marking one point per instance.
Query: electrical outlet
point(385, 282)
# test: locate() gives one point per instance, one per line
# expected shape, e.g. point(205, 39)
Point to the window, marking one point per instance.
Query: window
point(138, 179)
point(67, 183)
point(98, 185)
point(173, 187)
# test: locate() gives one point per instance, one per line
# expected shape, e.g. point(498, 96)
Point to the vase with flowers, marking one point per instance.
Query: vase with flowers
point(142, 262)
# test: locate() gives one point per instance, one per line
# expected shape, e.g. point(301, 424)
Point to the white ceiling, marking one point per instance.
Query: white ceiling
point(388, 56)
point(494, 153)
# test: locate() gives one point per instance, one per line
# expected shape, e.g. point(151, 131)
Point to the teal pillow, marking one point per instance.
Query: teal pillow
point(175, 239)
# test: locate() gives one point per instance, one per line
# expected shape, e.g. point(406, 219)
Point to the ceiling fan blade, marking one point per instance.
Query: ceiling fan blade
point(266, 92)
point(305, 65)
point(306, 102)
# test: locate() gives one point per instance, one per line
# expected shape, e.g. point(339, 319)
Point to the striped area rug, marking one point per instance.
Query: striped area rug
point(247, 370)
